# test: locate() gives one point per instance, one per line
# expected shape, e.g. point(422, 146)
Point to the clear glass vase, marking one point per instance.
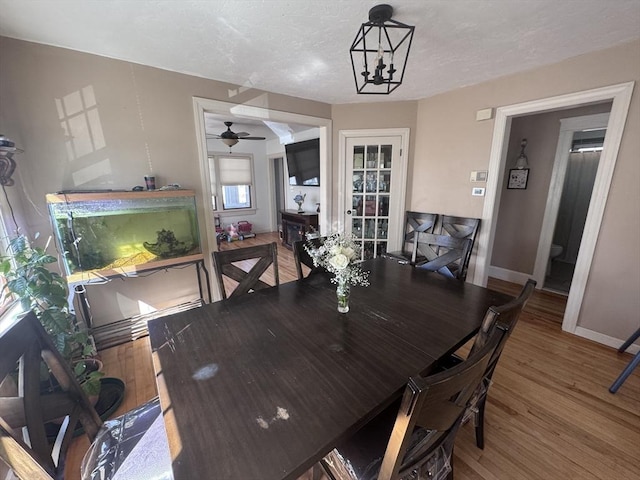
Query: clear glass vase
point(342, 291)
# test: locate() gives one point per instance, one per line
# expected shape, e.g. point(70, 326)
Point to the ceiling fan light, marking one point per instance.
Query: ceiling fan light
point(230, 142)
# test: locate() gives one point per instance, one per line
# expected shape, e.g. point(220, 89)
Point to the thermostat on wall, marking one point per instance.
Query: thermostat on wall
point(477, 192)
point(479, 175)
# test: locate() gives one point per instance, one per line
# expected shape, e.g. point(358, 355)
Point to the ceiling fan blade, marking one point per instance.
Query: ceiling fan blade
point(242, 134)
point(212, 135)
point(252, 138)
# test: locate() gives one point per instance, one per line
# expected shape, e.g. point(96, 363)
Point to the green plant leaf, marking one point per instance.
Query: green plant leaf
point(91, 385)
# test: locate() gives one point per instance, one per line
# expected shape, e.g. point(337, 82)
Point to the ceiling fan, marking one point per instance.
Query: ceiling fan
point(230, 138)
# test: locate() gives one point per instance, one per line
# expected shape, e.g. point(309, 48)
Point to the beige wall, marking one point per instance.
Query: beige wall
point(146, 119)
point(450, 143)
point(522, 211)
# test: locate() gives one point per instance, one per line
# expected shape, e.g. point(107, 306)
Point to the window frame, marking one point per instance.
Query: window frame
point(217, 197)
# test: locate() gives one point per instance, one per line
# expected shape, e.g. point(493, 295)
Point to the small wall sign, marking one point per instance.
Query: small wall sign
point(518, 178)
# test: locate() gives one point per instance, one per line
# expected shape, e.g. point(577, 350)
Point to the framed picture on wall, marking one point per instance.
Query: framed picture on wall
point(518, 178)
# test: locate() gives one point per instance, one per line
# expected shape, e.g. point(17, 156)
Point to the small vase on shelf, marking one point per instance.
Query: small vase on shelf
point(342, 291)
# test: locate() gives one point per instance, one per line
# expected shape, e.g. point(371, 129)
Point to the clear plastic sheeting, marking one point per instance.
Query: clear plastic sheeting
point(133, 446)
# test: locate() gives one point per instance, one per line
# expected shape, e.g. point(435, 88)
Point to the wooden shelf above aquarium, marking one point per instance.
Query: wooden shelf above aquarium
point(69, 197)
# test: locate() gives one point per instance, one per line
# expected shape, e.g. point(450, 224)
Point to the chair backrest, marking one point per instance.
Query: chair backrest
point(415, 224)
point(460, 227)
point(436, 404)
point(503, 317)
point(255, 262)
point(302, 257)
point(444, 254)
point(24, 446)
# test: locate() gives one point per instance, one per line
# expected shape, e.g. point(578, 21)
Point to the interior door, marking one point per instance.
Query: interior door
point(374, 197)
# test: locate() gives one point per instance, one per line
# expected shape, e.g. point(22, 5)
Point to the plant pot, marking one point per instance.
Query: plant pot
point(110, 398)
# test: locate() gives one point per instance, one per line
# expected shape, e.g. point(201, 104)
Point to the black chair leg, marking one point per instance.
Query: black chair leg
point(635, 361)
point(480, 424)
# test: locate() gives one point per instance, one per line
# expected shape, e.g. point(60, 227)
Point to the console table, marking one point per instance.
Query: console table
point(295, 225)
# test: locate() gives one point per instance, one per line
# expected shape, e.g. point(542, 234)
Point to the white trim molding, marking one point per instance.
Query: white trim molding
point(621, 96)
point(509, 275)
point(605, 339)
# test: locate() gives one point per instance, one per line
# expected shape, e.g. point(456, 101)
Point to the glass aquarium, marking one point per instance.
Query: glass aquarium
point(112, 230)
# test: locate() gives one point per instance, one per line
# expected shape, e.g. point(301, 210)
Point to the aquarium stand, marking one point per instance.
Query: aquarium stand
point(78, 281)
point(118, 234)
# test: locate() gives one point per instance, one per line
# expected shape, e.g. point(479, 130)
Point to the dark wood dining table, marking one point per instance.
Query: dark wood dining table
point(264, 385)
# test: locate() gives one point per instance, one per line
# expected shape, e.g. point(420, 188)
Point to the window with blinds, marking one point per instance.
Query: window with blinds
point(232, 181)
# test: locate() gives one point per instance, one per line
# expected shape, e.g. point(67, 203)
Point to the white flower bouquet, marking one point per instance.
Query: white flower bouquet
point(339, 254)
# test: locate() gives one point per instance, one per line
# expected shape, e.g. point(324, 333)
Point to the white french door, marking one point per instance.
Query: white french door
point(374, 192)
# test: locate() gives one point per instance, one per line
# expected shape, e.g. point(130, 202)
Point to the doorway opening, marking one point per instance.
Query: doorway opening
point(232, 110)
point(580, 176)
point(620, 95)
point(277, 164)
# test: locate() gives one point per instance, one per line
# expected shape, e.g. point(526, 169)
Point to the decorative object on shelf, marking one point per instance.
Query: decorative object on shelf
point(317, 208)
point(150, 182)
point(299, 199)
point(339, 254)
point(7, 163)
point(518, 179)
point(379, 42)
point(167, 245)
point(522, 161)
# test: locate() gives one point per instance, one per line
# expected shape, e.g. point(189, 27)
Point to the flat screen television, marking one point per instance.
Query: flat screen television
point(303, 162)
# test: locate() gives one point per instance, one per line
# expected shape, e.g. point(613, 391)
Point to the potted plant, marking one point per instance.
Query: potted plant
point(45, 292)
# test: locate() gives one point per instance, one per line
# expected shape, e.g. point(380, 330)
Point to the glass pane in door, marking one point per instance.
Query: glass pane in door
point(370, 197)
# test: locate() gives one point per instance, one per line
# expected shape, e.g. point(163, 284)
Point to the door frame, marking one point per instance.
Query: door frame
point(274, 206)
point(620, 94)
point(234, 110)
point(400, 206)
point(568, 126)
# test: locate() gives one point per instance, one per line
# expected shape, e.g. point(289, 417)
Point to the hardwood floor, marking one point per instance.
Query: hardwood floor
point(549, 414)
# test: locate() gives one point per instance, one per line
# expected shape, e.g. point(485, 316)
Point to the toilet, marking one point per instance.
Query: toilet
point(555, 251)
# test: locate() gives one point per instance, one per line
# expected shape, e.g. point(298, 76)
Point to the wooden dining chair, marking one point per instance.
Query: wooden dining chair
point(415, 224)
point(416, 439)
point(302, 257)
point(503, 317)
point(460, 227)
point(444, 254)
point(25, 349)
point(254, 261)
point(633, 363)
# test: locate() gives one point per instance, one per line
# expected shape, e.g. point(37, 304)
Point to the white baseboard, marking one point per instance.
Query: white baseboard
point(605, 339)
point(509, 275)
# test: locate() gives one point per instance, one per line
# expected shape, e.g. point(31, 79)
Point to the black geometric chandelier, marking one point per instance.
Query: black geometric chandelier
point(379, 52)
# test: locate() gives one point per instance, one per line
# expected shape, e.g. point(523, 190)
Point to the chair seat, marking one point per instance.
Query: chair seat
point(361, 456)
point(133, 446)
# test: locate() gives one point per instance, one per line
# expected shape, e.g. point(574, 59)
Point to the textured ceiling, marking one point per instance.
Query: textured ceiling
point(301, 47)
